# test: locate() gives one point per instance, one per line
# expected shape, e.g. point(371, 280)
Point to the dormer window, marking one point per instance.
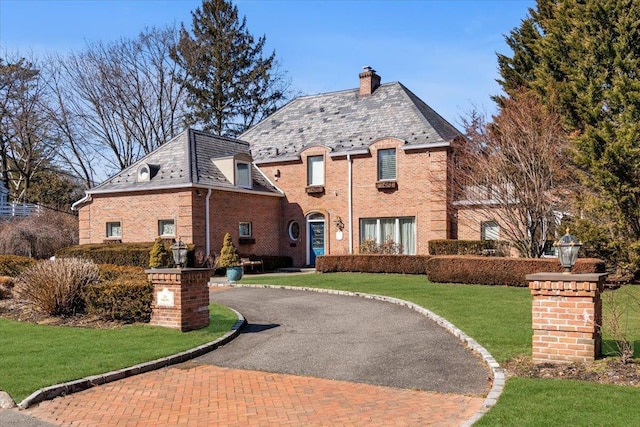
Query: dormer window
point(243, 174)
point(145, 172)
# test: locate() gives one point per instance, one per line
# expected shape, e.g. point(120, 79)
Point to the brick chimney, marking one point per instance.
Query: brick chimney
point(369, 81)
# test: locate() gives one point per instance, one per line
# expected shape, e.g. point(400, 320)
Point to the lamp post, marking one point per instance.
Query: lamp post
point(568, 247)
point(179, 250)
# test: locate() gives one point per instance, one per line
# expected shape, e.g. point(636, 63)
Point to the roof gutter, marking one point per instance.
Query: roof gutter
point(207, 224)
point(426, 146)
point(85, 199)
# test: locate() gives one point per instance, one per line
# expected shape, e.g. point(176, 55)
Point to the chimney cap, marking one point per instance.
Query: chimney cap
point(368, 68)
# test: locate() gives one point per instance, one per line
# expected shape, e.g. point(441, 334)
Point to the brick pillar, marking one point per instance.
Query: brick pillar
point(566, 316)
point(180, 298)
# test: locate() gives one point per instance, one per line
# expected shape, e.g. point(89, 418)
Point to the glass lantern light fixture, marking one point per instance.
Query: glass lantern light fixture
point(568, 248)
point(179, 250)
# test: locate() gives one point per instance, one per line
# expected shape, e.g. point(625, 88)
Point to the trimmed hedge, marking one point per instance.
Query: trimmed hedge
point(123, 300)
point(500, 271)
point(468, 247)
point(129, 254)
point(373, 263)
point(13, 265)
point(505, 271)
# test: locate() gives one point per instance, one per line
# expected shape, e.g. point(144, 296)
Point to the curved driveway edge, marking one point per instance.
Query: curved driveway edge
point(48, 393)
point(473, 345)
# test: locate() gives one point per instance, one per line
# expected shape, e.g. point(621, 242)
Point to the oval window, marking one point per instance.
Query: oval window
point(294, 230)
point(143, 173)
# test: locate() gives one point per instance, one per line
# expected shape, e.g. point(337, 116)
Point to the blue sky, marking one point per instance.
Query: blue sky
point(442, 50)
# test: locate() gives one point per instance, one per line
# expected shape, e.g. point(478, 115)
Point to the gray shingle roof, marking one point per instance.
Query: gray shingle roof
point(185, 161)
point(345, 121)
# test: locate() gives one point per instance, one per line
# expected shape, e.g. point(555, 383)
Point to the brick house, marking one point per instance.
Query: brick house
point(197, 187)
point(324, 174)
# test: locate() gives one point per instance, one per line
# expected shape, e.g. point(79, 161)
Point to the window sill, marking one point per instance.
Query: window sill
point(315, 189)
point(387, 185)
point(112, 240)
point(246, 241)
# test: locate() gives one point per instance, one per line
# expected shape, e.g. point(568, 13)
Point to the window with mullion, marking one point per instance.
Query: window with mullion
point(387, 164)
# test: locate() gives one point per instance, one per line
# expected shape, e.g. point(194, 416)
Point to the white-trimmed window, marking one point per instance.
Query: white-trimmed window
point(294, 230)
point(315, 170)
point(114, 229)
point(243, 174)
point(400, 231)
point(244, 229)
point(489, 230)
point(166, 227)
point(387, 164)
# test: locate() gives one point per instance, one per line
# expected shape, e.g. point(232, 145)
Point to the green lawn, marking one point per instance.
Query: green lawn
point(35, 356)
point(499, 318)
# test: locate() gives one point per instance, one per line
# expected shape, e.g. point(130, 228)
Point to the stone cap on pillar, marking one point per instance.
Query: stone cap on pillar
point(566, 284)
point(566, 277)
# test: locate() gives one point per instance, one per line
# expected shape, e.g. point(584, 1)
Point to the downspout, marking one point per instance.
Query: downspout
point(206, 224)
point(350, 203)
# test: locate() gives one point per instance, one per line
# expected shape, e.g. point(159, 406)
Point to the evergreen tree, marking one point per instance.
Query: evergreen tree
point(229, 256)
point(584, 57)
point(159, 255)
point(231, 85)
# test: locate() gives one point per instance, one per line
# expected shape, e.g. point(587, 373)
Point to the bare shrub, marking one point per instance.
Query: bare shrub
point(38, 236)
point(618, 307)
point(56, 286)
point(388, 247)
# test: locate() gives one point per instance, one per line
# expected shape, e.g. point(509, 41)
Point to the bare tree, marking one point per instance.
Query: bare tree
point(511, 170)
point(26, 142)
point(123, 98)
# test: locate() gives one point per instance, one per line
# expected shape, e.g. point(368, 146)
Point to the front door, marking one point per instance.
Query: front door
point(316, 237)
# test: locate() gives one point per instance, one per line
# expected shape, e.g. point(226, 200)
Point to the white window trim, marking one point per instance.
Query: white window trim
point(237, 172)
point(395, 166)
point(315, 175)
point(290, 230)
point(483, 234)
point(109, 229)
point(240, 229)
point(160, 228)
point(379, 238)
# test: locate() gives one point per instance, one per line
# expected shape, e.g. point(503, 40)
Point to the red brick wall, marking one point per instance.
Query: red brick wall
point(421, 193)
point(228, 209)
point(139, 214)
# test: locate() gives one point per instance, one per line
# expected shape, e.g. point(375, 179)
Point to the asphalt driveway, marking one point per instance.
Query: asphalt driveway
point(305, 358)
point(346, 338)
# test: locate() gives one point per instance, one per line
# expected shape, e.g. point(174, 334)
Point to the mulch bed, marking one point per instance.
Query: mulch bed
point(22, 311)
point(603, 371)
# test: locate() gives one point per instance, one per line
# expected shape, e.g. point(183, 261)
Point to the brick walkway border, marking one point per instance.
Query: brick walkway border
point(48, 393)
point(473, 345)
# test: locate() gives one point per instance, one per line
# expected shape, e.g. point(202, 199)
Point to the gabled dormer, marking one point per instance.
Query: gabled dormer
point(236, 169)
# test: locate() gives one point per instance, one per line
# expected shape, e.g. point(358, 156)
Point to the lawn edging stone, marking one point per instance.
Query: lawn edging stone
point(499, 378)
point(51, 392)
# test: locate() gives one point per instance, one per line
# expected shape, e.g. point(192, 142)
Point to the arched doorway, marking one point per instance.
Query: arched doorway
point(315, 240)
